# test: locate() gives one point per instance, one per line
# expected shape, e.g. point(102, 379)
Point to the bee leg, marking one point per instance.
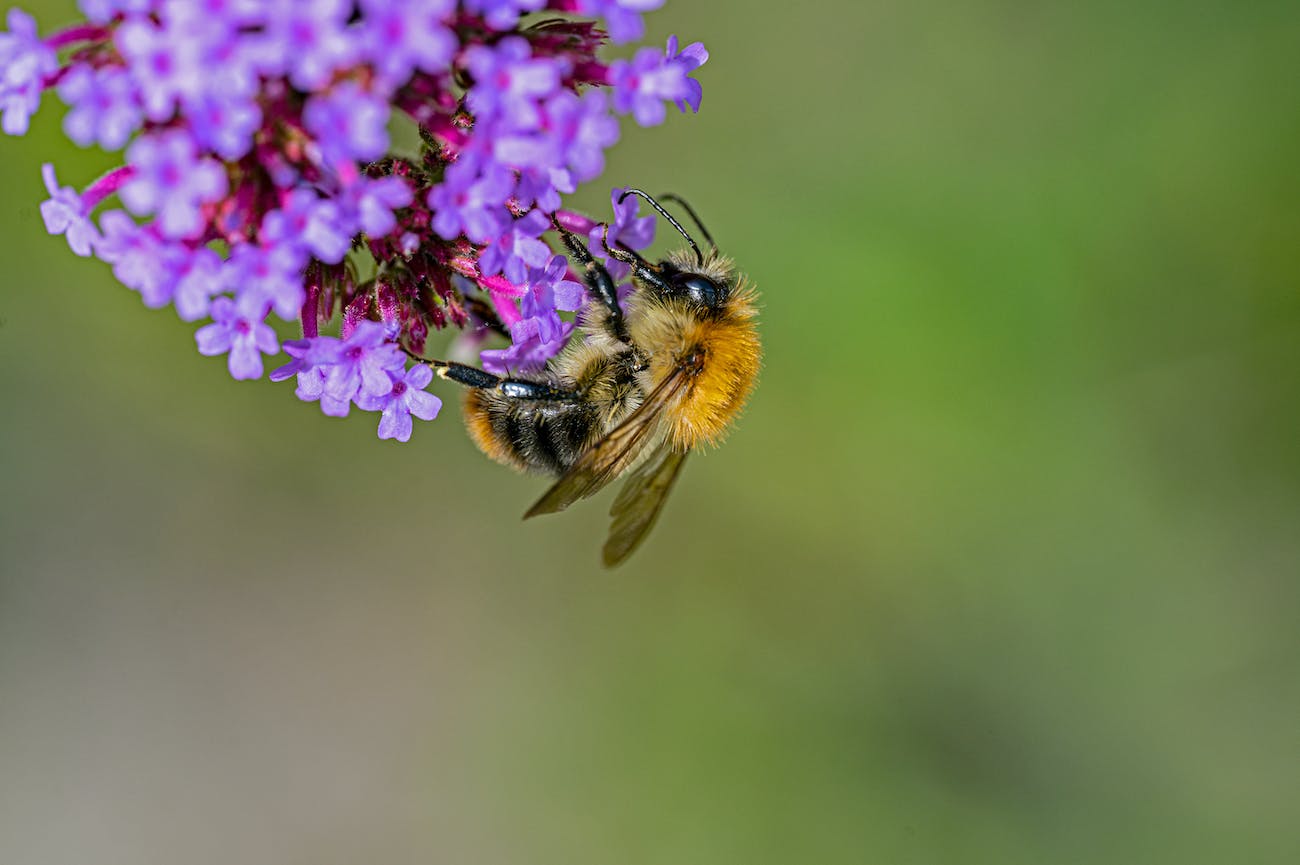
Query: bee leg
point(599, 282)
point(514, 388)
point(644, 270)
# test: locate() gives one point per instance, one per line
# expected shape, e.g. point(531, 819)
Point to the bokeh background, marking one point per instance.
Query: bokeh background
point(1000, 565)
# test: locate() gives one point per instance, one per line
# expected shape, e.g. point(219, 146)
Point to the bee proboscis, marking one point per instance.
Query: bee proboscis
point(652, 377)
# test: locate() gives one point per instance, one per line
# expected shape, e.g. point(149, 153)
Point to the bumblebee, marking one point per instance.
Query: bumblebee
point(648, 380)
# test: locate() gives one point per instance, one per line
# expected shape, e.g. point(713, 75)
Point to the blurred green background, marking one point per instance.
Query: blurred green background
point(1000, 565)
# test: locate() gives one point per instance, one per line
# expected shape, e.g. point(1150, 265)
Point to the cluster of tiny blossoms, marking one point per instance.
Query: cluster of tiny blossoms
point(258, 176)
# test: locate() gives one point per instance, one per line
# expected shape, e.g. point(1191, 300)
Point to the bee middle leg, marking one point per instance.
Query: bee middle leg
point(513, 388)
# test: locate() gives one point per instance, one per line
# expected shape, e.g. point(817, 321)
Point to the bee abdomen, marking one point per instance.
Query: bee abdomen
point(533, 436)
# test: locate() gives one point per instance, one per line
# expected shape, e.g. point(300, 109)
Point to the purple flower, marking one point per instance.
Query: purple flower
point(272, 274)
point(229, 13)
point(402, 36)
point(224, 123)
point(502, 14)
point(368, 203)
point(308, 356)
point(140, 259)
point(406, 396)
point(548, 291)
point(238, 328)
point(105, 106)
point(309, 223)
point(105, 10)
point(173, 181)
point(363, 362)
point(541, 188)
point(690, 58)
point(584, 130)
point(470, 204)
point(200, 274)
point(518, 249)
point(312, 359)
point(651, 78)
point(509, 83)
point(348, 123)
point(571, 139)
point(306, 41)
point(65, 212)
point(539, 333)
point(529, 354)
point(627, 229)
point(622, 17)
point(25, 61)
point(165, 62)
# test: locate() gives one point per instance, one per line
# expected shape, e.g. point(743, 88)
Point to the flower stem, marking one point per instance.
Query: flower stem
point(106, 186)
point(77, 33)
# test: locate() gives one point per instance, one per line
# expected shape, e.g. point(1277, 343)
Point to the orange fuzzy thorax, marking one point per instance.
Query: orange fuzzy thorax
point(729, 347)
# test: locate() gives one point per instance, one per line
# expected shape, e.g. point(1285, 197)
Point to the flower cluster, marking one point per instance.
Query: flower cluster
point(259, 178)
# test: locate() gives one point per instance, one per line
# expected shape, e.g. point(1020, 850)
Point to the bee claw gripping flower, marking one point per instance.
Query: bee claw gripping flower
point(258, 177)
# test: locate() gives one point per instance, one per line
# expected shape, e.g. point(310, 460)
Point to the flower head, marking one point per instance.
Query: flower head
point(259, 177)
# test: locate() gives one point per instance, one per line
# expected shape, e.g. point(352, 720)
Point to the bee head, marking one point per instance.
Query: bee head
point(701, 284)
point(698, 288)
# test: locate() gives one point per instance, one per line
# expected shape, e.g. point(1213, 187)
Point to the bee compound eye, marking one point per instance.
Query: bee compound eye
point(700, 289)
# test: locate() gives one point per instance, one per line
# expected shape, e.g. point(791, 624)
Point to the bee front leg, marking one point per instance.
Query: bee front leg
point(599, 283)
point(643, 270)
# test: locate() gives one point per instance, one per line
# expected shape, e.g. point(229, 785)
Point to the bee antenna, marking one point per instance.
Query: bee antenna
point(668, 216)
point(698, 224)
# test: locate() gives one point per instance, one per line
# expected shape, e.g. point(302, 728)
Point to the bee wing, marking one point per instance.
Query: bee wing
point(607, 458)
point(640, 501)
